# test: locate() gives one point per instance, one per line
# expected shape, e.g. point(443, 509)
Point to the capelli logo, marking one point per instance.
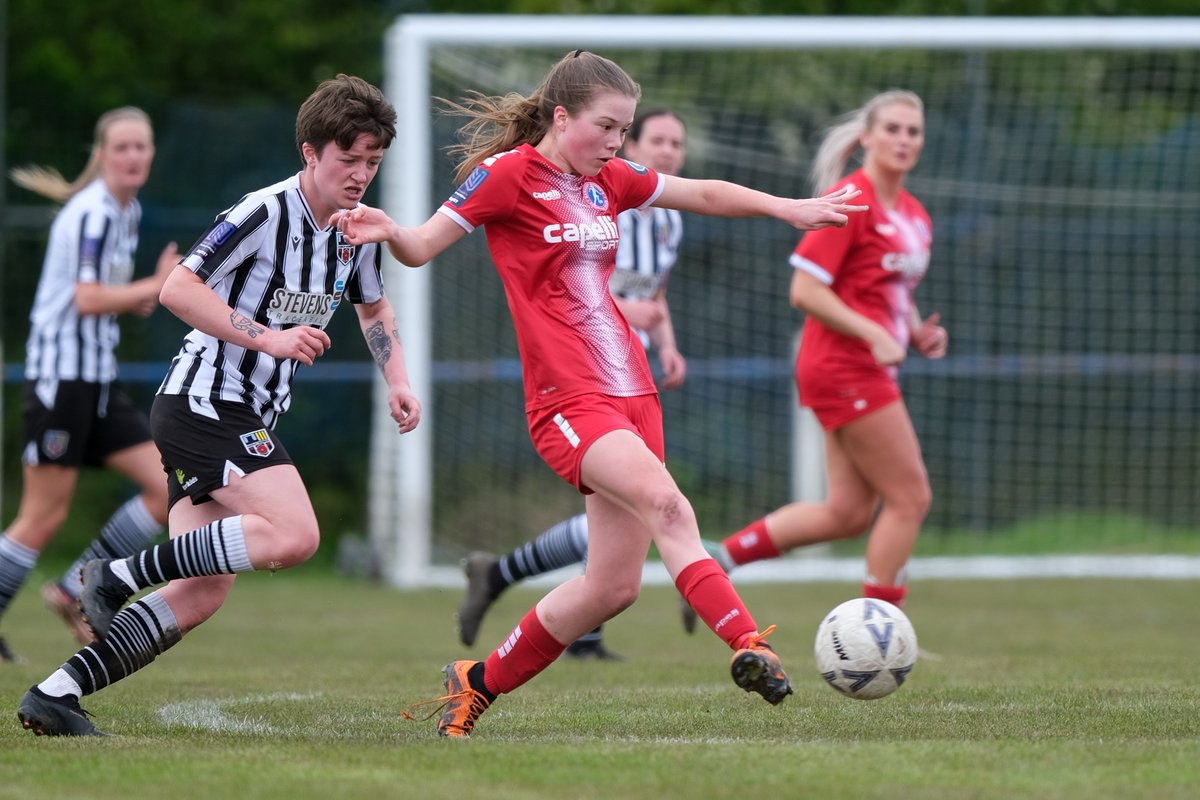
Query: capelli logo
point(553, 194)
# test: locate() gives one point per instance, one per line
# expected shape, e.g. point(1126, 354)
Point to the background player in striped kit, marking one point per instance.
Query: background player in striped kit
point(75, 411)
point(648, 249)
point(259, 287)
point(541, 173)
point(855, 284)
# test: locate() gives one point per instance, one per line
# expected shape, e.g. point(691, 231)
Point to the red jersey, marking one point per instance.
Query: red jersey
point(872, 264)
point(553, 239)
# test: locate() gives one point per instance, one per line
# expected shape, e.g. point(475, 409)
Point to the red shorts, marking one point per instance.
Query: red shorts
point(839, 399)
point(563, 432)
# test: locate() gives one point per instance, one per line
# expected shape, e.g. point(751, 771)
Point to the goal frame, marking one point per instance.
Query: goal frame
point(400, 494)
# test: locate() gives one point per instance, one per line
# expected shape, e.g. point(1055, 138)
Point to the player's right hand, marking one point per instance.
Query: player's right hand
point(302, 343)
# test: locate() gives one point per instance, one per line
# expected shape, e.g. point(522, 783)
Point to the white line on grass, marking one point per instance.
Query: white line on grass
point(210, 715)
point(811, 569)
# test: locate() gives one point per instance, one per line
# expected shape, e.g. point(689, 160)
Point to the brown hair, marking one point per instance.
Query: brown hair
point(841, 141)
point(49, 182)
point(500, 123)
point(340, 110)
point(639, 122)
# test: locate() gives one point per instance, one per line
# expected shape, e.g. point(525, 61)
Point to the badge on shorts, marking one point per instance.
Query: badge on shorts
point(54, 443)
point(258, 443)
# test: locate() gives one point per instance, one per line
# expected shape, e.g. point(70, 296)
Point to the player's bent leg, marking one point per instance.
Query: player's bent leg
point(280, 524)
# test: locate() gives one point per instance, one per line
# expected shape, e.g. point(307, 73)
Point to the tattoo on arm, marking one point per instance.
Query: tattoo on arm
point(379, 343)
point(246, 324)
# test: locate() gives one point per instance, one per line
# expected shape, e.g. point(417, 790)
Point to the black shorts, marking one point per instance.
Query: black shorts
point(73, 423)
point(203, 442)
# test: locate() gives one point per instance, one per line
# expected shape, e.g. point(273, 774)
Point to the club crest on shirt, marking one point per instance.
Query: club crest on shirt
point(595, 196)
point(54, 443)
point(345, 251)
point(258, 443)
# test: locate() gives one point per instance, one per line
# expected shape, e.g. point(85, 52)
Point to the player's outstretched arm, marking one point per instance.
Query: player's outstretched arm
point(412, 247)
point(724, 199)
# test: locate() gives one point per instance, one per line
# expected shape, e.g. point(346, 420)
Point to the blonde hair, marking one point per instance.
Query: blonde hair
point(842, 140)
point(49, 182)
point(497, 124)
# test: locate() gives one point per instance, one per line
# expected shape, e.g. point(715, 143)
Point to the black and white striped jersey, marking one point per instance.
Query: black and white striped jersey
point(273, 263)
point(646, 251)
point(92, 240)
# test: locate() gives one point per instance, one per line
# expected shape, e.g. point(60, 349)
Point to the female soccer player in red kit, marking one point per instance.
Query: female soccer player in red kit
point(855, 285)
point(541, 174)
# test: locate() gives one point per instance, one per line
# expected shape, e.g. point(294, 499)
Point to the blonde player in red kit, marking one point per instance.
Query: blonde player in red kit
point(855, 285)
point(542, 176)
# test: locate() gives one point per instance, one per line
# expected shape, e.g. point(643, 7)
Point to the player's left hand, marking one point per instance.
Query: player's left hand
point(674, 368)
point(405, 407)
point(931, 339)
point(821, 212)
point(363, 224)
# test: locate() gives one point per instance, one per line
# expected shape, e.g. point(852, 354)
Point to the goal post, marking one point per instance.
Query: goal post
point(1054, 164)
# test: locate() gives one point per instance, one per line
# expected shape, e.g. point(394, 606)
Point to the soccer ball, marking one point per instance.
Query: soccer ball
point(865, 648)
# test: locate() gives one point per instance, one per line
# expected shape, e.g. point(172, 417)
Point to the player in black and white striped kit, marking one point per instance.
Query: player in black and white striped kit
point(259, 288)
point(75, 411)
point(646, 251)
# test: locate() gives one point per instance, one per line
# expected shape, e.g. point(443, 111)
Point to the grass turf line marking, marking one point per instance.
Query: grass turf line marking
point(210, 714)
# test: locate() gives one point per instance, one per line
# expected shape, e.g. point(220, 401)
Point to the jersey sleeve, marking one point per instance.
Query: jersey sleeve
point(489, 193)
point(822, 252)
point(634, 185)
point(92, 236)
point(232, 240)
point(366, 284)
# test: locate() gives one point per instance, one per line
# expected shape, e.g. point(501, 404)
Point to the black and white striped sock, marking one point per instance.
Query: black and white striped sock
point(130, 529)
point(138, 635)
point(16, 560)
point(559, 546)
point(218, 548)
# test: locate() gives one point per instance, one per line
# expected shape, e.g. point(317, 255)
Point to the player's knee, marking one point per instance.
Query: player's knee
point(622, 597)
point(293, 543)
point(854, 520)
point(914, 503)
point(671, 511)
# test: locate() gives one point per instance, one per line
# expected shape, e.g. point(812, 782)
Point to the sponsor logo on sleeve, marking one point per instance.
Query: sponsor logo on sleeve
point(89, 250)
point(636, 167)
point(216, 237)
point(468, 187)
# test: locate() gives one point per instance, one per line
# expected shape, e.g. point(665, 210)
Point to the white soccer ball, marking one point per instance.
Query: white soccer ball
point(865, 648)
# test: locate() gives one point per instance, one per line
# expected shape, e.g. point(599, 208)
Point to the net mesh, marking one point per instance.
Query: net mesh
point(1063, 195)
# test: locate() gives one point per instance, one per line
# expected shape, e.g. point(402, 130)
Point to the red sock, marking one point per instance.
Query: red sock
point(528, 650)
point(751, 543)
point(892, 594)
point(707, 589)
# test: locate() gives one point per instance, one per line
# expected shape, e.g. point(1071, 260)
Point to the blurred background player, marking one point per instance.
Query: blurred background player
point(541, 175)
point(648, 249)
point(855, 285)
point(76, 413)
point(259, 288)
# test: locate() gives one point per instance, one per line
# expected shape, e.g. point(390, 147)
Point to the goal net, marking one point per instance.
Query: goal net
point(1059, 168)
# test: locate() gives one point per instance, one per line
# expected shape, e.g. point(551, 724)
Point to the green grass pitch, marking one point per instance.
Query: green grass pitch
point(1050, 689)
